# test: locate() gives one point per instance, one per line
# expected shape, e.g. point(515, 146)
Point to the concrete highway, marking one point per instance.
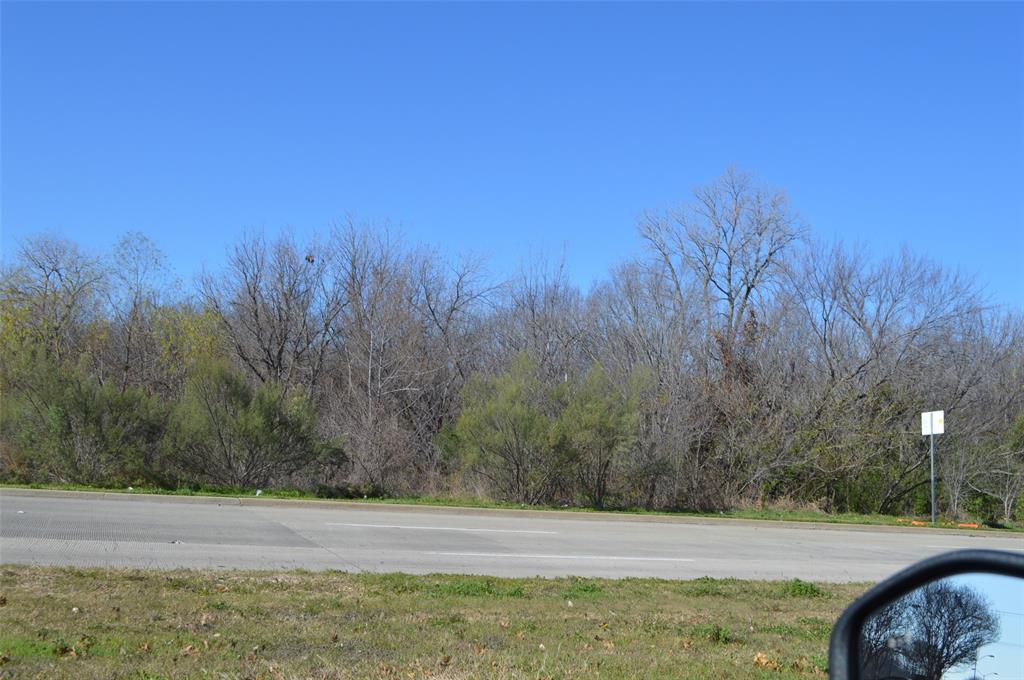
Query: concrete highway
point(120, 530)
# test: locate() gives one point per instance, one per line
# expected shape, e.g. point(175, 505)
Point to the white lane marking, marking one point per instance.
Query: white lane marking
point(970, 547)
point(400, 526)
point(564, 557)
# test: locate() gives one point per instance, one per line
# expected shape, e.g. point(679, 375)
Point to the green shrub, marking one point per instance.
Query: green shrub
point(59, 423)
point(508, 433)
point(798, 588)
point(224, 431)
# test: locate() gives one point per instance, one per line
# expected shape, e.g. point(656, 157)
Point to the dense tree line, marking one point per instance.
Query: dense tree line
point(736, 361)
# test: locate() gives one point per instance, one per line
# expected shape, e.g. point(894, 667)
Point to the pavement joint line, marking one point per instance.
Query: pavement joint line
point(563, 557)
point(400, 526)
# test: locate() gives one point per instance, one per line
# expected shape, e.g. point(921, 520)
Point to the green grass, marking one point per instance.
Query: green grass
point(91, 623)
point(798, 588)
point(446, 501)
point(219, 492)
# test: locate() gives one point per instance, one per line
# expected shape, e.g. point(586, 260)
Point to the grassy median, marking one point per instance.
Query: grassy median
point(101, 623)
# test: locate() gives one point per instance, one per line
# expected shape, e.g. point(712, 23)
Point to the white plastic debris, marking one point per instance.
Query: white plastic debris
point(259, 492)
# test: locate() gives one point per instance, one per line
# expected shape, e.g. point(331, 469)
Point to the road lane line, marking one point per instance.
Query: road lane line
point(971, 547)
point(563, 557)
point(400, 526)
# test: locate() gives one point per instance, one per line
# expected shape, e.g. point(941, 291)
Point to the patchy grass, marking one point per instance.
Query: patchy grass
point(787, 515)
point(92, 623)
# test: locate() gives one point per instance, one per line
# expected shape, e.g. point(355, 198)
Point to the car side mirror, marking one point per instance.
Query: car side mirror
point(957, 616)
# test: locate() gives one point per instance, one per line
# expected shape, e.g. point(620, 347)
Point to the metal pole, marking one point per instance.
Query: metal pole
point(931, 437)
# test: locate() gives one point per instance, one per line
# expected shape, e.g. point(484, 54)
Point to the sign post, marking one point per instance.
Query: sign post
point(933, 423)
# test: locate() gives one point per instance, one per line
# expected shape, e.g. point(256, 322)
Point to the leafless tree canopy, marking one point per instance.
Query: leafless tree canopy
point(735, 361)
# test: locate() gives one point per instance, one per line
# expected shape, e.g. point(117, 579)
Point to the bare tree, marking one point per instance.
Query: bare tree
point(140, 284)
point(53, 294)
point(406, 339)
point(731, 241)
point(726, 251)
point(887, 344)
point(1001, 476)
point(280, 305)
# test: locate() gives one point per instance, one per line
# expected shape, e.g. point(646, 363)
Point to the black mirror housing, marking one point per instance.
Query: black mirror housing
point(844, 647)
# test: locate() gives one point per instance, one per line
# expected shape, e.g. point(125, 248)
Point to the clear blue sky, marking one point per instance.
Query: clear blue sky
point(505, 129)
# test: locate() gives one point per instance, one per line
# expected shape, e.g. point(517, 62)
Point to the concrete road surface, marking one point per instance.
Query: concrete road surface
point(119, 530)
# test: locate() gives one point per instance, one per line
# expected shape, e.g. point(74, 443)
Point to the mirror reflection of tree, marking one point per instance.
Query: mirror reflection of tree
point(880, 639)
point(927, 632)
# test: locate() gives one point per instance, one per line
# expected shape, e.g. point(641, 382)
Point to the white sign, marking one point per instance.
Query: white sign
point(933, 422)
